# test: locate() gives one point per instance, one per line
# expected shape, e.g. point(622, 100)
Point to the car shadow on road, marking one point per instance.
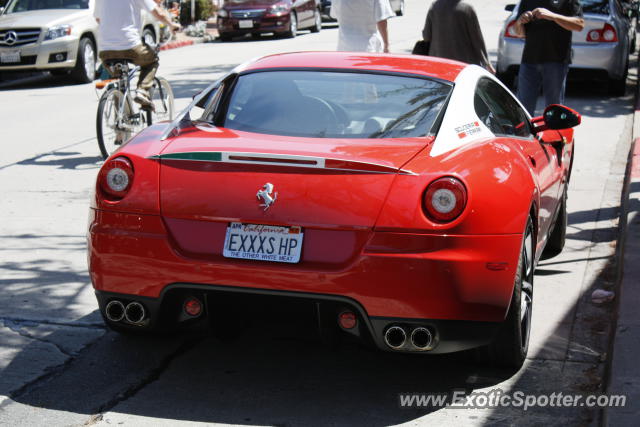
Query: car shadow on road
point(275, 374)
point(38, 80)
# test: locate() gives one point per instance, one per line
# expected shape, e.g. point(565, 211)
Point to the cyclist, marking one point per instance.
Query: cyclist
point(119, 38)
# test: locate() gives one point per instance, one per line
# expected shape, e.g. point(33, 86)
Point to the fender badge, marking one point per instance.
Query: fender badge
point(267, 195)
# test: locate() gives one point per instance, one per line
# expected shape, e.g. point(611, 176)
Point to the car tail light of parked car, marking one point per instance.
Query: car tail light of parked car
point(116, 178)
point(510, 31)
point(607, 34)
point(445, 199)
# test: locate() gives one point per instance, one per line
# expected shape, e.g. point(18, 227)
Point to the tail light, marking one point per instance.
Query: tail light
point(607, 34)
point(116, 177)
point(445, 199)
point(510, 31)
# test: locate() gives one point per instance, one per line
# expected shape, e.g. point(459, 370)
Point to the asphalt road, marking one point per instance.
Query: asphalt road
point(59, 366)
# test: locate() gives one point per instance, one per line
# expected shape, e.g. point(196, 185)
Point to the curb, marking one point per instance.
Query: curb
point(175, 45)
point(623, 374)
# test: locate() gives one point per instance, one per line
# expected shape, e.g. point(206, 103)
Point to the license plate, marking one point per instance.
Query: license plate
point(245, 23)
point(10, 57)
point(263, 242)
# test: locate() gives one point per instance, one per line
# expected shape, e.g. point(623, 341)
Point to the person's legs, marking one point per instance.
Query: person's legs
point(554, 82)
point(147, 59)
point(529, 81)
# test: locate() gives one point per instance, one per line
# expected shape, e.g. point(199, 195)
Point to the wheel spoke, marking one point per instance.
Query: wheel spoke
point(528, 253)
point(525, 307)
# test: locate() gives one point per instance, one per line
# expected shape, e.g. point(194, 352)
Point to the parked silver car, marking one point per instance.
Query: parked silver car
point(600, 51)
point(55, 35)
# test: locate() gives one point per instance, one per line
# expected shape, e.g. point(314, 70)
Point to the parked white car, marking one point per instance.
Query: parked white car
point(55, 35)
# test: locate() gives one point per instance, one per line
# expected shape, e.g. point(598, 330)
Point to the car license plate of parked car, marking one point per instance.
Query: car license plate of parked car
point(263, 242)
point(245, 23)
point(10, 57)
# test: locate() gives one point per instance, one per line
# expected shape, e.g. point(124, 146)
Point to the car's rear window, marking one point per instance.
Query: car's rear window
point(27, 5)
point(335, 104)
point(598, 7)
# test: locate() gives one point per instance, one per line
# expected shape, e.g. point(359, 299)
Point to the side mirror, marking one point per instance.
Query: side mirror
point(557, 117)
point(510, 7)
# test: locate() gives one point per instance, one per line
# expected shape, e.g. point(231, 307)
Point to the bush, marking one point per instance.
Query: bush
point(204, 9)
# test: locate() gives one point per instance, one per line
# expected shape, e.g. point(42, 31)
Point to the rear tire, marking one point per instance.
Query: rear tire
point(224, 37)
point(509, 348)
point(557, 238)
point(85, 68)
point(509, 79)
point(618, 87)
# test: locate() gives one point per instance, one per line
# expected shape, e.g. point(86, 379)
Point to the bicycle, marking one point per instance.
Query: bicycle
point(119, 117)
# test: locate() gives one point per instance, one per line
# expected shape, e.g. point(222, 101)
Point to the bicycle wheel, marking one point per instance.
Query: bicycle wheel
point(114, 130)
point(162, 98)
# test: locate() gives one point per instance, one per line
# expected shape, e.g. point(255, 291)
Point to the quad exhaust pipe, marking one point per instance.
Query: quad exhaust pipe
point(420, 338)
point(115, 311)
point(133, 312)
point(395, 337)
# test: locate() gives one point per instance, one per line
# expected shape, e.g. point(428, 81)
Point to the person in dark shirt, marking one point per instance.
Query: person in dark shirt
point(546, 26)
point(466, 43)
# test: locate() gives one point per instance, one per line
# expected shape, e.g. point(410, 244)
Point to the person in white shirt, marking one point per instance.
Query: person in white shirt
point(119, 38)
point(363, 24)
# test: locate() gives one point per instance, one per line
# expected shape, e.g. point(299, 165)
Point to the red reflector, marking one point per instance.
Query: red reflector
point(193, 307)
point(497, 266)
point(347, 320)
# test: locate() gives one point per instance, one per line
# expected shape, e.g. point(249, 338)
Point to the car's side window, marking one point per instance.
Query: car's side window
point(506, 110)
point(486, 116)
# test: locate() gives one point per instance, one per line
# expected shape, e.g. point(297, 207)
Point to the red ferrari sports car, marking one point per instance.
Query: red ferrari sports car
point(405, 200)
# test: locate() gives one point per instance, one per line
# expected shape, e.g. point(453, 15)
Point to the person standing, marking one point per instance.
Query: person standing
point(453, 32)
point(363, 24)
point(547, 27)
point(119, 38)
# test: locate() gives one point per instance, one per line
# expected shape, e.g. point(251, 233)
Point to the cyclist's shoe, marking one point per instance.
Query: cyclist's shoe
point(142, 98)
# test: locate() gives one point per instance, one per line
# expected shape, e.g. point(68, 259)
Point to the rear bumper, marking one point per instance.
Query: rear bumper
point(448, 335)
point(601, 58)
point(414, 279)
point(42, 55)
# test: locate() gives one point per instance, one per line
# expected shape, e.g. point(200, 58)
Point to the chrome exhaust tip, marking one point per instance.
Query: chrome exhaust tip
point(114, 311)
point(134, 313)
point(422, 338)
point(395, 337)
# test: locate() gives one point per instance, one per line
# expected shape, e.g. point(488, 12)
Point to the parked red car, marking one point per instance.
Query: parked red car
point(281, 17)
point(404, 199)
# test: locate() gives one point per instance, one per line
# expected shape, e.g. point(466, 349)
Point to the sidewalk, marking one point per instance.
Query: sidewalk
point(624, 373)
point(181, 39)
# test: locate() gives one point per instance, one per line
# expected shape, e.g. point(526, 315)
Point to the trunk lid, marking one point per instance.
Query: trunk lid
point(217, 175)
point(318, 210)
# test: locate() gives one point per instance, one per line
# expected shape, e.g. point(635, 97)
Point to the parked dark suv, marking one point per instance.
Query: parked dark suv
point(255, 17)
